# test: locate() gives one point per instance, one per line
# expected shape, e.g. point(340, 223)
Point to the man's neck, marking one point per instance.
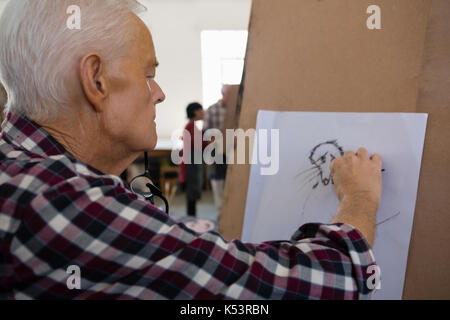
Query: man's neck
point(87, 145)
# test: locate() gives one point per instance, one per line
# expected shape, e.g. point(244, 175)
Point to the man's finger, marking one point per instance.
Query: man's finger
point(333, 164)
point(363, 153)
point(348, 154)
point(377, 158)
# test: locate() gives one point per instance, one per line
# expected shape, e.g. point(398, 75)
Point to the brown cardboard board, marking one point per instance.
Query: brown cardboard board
point(427, 274)
point(313, 55)
point(231, 116)
point(231, 119)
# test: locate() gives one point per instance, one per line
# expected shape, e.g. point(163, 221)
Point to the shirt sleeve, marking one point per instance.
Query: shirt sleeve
point(188, 138)
point(128, 249)
point(207, 122)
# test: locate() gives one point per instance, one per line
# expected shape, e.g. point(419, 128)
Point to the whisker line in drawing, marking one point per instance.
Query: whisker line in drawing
point(388, 219)
point(307, 182)
point(306, 171)
point(310, 174)
point(305, 202)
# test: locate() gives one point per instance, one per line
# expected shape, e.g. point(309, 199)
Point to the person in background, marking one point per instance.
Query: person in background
point(214, 119)
point(191, 168)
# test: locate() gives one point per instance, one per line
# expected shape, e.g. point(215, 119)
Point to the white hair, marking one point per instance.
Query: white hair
point(39, 53)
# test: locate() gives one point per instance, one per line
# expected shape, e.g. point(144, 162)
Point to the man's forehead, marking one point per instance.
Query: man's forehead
point(149, 54)
point(145, 42)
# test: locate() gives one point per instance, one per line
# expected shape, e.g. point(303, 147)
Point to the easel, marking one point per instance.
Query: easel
point(320, 56)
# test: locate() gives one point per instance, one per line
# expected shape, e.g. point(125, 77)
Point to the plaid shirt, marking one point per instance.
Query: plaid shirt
point(215, 117)
point(56, 212)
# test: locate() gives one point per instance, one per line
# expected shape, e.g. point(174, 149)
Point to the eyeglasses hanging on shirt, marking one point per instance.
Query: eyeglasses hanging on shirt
point(144, 186)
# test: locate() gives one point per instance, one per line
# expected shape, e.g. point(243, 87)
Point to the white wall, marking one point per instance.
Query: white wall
point(176, 26)
point(2, 5)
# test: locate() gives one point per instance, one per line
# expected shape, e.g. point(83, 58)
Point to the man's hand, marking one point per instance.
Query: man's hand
point(357, 175)
point(357, 181)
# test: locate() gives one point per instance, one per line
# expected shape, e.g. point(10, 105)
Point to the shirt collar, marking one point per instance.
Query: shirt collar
point(29, 136)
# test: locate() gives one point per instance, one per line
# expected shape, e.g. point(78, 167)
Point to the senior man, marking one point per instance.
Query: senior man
point(81, 109)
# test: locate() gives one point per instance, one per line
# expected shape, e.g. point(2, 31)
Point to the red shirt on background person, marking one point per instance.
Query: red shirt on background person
point(191, 167)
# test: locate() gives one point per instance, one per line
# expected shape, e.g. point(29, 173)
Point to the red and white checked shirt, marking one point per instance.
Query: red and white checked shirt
point(56, 212)
point(215, 117)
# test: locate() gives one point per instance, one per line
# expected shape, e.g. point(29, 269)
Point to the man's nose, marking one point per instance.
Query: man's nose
point(158, 95)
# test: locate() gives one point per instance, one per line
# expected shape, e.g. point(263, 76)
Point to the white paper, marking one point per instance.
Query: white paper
point(278, 205)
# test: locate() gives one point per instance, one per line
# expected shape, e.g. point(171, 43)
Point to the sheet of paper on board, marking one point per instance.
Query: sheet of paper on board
point(302, 192)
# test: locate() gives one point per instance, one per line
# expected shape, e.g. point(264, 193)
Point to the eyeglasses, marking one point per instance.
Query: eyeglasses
point(144, 186)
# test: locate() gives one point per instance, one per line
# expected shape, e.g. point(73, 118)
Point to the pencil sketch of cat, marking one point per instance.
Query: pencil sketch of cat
point(319, 175)
point(321, 157)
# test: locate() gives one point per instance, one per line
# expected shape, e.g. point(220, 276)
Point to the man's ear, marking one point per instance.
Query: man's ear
point(93, 80)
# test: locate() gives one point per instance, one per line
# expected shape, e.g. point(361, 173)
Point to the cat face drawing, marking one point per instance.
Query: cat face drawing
point(321, 157)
